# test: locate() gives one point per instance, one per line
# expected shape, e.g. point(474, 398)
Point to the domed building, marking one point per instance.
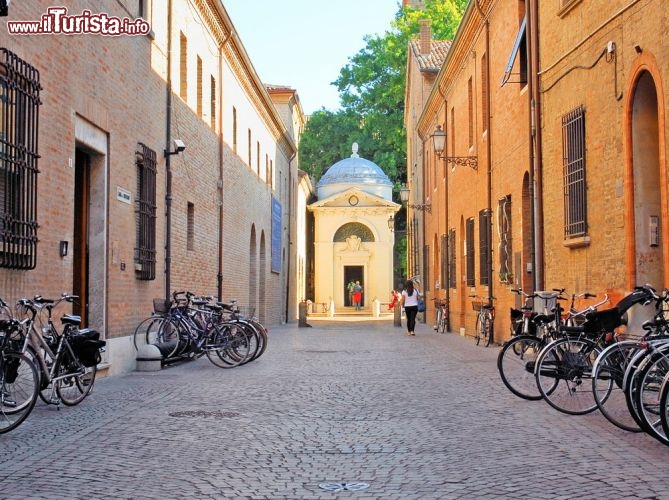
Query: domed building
point(353, 239)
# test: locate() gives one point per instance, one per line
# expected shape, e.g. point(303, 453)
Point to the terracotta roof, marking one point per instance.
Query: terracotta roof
point(436, 57)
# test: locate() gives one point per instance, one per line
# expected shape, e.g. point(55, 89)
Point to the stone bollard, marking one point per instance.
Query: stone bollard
point(376, 308)
point(302, 315)
point(397, 314)
point(149, 358)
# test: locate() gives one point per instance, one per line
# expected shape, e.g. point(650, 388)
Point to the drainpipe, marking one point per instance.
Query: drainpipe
point(168, 170)
point(491, 279)
point(290, 232)
point(221, 161)
point(536, 189)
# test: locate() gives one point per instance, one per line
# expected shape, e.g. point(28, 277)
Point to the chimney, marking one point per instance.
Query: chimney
point(425, 36)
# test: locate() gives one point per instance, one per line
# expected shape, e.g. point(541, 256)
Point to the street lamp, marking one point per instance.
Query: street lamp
point(404, 197)
point(439, 143)
point(391, 223)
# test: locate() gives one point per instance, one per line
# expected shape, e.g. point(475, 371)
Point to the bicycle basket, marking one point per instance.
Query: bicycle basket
point(86, 345)
point(246, 311)
point(161, 306)
point(476, 305)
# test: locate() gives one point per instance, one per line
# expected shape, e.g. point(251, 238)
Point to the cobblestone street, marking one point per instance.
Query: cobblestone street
point(346, 402)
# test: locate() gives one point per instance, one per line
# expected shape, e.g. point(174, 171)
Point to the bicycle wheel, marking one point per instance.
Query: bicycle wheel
point(515, 364)
point(647, 397)
point(607, 384)
point(72, 380)
point(563, 372)
point(19, 385)
point(227, 346)
point(163, 332)
point(479, 328)
point(664, 405)
point(441, 324)
point(487, 329)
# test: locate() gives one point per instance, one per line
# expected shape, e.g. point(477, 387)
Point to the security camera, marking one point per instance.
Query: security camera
point(179, 145)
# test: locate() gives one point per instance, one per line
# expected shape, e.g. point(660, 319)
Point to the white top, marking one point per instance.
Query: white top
point(410, 300)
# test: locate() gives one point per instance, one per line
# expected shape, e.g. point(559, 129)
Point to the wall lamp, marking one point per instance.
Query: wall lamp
point(179, 147)
point(439, 143)
point(391, 223)
point(404, 196)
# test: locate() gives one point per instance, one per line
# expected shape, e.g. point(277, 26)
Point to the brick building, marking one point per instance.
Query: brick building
point(553, 173)
point(604, 142)
point(163, 165)
point(477, 231)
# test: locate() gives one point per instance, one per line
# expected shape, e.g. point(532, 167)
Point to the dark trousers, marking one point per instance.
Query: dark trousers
point(411, 312)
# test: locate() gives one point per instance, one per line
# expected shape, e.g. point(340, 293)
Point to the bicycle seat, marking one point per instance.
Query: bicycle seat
point(71, 319)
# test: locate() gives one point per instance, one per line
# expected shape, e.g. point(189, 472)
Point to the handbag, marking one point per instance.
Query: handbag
point(421, 305)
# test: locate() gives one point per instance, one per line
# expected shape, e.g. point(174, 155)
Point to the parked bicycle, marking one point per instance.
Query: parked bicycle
point(484, 319)
point(441, 323)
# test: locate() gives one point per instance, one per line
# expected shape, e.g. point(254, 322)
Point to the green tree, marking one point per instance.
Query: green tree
point(371, 90)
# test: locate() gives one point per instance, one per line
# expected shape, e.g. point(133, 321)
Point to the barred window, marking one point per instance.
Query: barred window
point(484, 246)
point(443, 245)
point(505, 240)
point(19, 112)
point(452, 282)
point(145, 251)
point(573, 146)
point(426, 268)
point(469, 236)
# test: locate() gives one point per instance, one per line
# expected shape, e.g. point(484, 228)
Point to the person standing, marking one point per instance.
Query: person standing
point(357, 295)
point(350, 287)
point(409, 301)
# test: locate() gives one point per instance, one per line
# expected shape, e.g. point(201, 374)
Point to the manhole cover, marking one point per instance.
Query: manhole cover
point(343, 486)
point(203, 413)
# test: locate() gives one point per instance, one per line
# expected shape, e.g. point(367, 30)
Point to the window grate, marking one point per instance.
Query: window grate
point(573, 144)
point(469, 248)
point(145, 252)
point(452, 282)
point(19, 118)
point(505, 239)
point(484, 246)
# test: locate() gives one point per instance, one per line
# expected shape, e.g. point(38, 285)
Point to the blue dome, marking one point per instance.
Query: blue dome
point(354, 170)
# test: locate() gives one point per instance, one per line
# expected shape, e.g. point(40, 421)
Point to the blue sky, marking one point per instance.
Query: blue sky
point(304, 43)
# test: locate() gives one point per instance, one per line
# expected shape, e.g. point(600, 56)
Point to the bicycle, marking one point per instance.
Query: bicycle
point(67, 360)
point(19, 378)
point(484, 319)
point(441, 324)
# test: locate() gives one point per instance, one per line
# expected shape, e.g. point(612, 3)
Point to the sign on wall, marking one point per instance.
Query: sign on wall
point(276, 235)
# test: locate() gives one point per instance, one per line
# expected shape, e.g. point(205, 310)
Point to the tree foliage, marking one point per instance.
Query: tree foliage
point(371, 92)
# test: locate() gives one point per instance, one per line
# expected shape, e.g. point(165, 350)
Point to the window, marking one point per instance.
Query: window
point(145, 251)
point(573, 147)
point(505, 247)
point(183, 68)
point(234, 130)
point(484, 91)
point(470, 104)
point(212, 112)
point(199, 88)
point(19, 110)
point(190, 227)
point(469, 249)
point(452, 131)
point(484, 246)
point(250, 150)
point(452, 281)
point(443, 250)
point(519, 51)
point(426, 270)
point(258, 158)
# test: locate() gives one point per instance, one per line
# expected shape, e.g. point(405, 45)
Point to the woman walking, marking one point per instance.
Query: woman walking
point(409, 301)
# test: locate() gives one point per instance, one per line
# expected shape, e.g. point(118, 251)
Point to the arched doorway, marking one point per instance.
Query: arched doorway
point(646, 185)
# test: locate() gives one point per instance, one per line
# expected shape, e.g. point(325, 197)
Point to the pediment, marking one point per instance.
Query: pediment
point(354, 198)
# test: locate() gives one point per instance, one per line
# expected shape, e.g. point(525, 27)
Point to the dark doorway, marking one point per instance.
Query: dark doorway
point(80, 234)
point(351, 275)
